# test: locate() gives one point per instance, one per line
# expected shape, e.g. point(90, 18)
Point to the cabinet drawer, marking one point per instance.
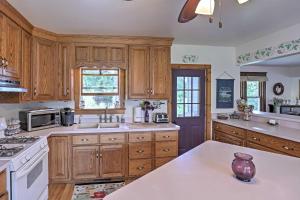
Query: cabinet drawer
point(2, 183)
point(140, 150)
point(85, 139)
point(166, 149)
point(4, 197)
point(278, 144)
point(161, 161)
point(166, 136)
point(112, 138)
point(262, 148)
point(139, 167)
point(226, 138)
point(234, 131)
point(140, 137)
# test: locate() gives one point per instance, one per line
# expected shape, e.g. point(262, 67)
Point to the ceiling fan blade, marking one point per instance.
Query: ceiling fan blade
point(188, 11)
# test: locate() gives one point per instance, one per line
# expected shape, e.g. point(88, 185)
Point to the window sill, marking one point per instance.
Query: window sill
point(100, 111)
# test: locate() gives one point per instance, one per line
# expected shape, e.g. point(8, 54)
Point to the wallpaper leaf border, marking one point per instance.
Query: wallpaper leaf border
point(283, 49)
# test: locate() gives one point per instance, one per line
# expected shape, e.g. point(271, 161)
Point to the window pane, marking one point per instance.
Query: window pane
point(100, 84)
point(254, 102)
point(94, 71)
point(188, 110)
point(196, 83)
point(252, 88)
point(109, 71)
point(180, 97)
point(196, 96)
point(188, 83)
point(180, 110)
point(188, 97)
point(196, 110)
point(100, 71)
point(100, 102)
point(180, 83)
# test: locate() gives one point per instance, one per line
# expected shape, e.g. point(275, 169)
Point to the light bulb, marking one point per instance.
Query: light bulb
point(206, 7)
point(242, 1)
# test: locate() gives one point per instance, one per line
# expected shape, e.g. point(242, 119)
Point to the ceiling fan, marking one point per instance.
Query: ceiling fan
point(194, 7)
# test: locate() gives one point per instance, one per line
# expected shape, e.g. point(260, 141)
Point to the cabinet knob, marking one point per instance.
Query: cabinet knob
point(152, 91)
point(256, 139)
point(166, 136)
point(288, 148)
point(34, 92)
point(112, 139)
point(140, 138)
point(140, 151)
point(67, 91)
point(140, 168)
point(166, 150)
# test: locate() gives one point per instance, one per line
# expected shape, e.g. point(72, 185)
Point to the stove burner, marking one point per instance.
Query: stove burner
point(18, 140)
point(8, 152)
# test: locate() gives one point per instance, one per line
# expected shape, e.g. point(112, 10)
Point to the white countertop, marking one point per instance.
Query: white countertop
point(123, 128)
point(205, 173)
point(277, 116)
point(3, 165)
point(277, 131)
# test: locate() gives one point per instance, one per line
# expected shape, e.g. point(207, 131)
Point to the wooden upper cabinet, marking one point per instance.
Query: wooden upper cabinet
point(138, 82)
point(82, 55)
point(159, 72)
point(26, 79)
point(2, 41)
point(118, 55)
point(112, 163)
point(85, 162)
point(11, 47)
point(65, 72)
point(99, 54)
point(59, 159)
point(44, 69)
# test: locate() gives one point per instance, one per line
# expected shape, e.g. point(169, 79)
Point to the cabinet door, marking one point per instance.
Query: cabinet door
point(82, 55)
point(85, 162)
point(118, 55)
point(99, 54)
point(2, 41)
point(138, 72)
point(12, 48)
point(44, 69)
point(26, 66)
point(112, 163)
point(225, 138)
point(59, 159)
point(159, 72)
point(64, 72)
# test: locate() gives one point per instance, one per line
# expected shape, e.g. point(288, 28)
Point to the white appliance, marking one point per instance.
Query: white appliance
point(29, 171)
point(138, 115)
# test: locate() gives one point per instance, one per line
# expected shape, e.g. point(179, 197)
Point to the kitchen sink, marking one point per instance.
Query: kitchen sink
point(109, 125)
point(98, 125)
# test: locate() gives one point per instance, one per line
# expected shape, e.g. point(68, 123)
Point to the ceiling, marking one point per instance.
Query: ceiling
point(286, 61)
point(241, 23)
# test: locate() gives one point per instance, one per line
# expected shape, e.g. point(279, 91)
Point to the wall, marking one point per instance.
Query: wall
point(285, 35)
point(220, 58)
point(275, 75)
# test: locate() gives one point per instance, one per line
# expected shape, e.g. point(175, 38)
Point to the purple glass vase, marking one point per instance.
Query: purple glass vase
point(243, 167)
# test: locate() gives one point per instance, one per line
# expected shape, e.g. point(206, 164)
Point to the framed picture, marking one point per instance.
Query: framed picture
point(225, 93)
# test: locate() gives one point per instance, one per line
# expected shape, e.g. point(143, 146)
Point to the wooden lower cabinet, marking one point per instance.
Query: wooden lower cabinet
point(59, 159)
point(112, 162)
point(161, 161)
point(140, 167)
point(242, 137)
point(2, 183)
point(4, 197)
point(85, 162)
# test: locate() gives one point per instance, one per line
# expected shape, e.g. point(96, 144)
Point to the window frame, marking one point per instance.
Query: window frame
point(78, 91)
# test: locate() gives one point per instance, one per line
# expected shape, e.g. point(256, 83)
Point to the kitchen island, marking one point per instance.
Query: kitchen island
point(205, 173)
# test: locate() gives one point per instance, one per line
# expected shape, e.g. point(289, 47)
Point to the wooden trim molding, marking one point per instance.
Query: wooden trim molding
point(207, 68)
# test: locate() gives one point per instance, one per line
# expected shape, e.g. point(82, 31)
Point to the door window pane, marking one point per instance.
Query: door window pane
point(188, 97)
point(180, 97)
point(180, 83)
point(180, 110)
point(254, 102)
point(196, 110)
point(196, 83)
point(188, 110)
point(196, 96)
point(188, 83)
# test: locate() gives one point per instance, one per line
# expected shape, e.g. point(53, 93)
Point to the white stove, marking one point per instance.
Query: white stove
point(28, 166)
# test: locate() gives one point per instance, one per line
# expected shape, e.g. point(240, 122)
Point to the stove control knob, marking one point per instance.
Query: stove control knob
point(27, 157)
point(23, 161)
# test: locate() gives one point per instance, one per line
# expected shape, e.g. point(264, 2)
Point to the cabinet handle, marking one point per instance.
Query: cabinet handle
point(152, 91)
point(166, 150)
point(140, 168)
point(288, 148)
point(148, 91)
point(166, 136)
point(97, 154)
point(140, 138)
point(67, 91)
point(140, 151)
point(84, 140)
point(234, 132)
point(112, 139)
point(1, 61)
point(256, 139)
point(34, 92)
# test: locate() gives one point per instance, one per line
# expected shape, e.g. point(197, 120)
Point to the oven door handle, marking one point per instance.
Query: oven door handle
point(32, 163)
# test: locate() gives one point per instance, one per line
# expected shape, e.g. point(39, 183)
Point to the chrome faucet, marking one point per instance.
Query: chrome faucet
point(79, 121)
point(105, 114)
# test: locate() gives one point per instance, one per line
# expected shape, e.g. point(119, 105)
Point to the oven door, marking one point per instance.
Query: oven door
point(30, 182)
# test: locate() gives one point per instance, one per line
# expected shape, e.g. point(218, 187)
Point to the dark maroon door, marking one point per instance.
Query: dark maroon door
point(188, 106)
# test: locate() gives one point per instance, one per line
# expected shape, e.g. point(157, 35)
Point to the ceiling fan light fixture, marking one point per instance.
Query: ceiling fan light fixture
point(206, 7)
point(242, 1)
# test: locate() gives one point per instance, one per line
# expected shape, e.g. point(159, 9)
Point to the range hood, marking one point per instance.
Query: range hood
point(11, 86)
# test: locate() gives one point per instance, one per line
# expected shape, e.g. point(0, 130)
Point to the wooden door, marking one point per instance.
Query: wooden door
point(112, 163)
point(59, 159)
point(13, 48)
point(26, 66)
point(99, 54)
point(138, 72)
point(44, 69)
point(82, 55)
point(159, 72)
point(2, 41)
point(65, 72)
point(118, 55)
point(85, 162)
point(188, 107)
